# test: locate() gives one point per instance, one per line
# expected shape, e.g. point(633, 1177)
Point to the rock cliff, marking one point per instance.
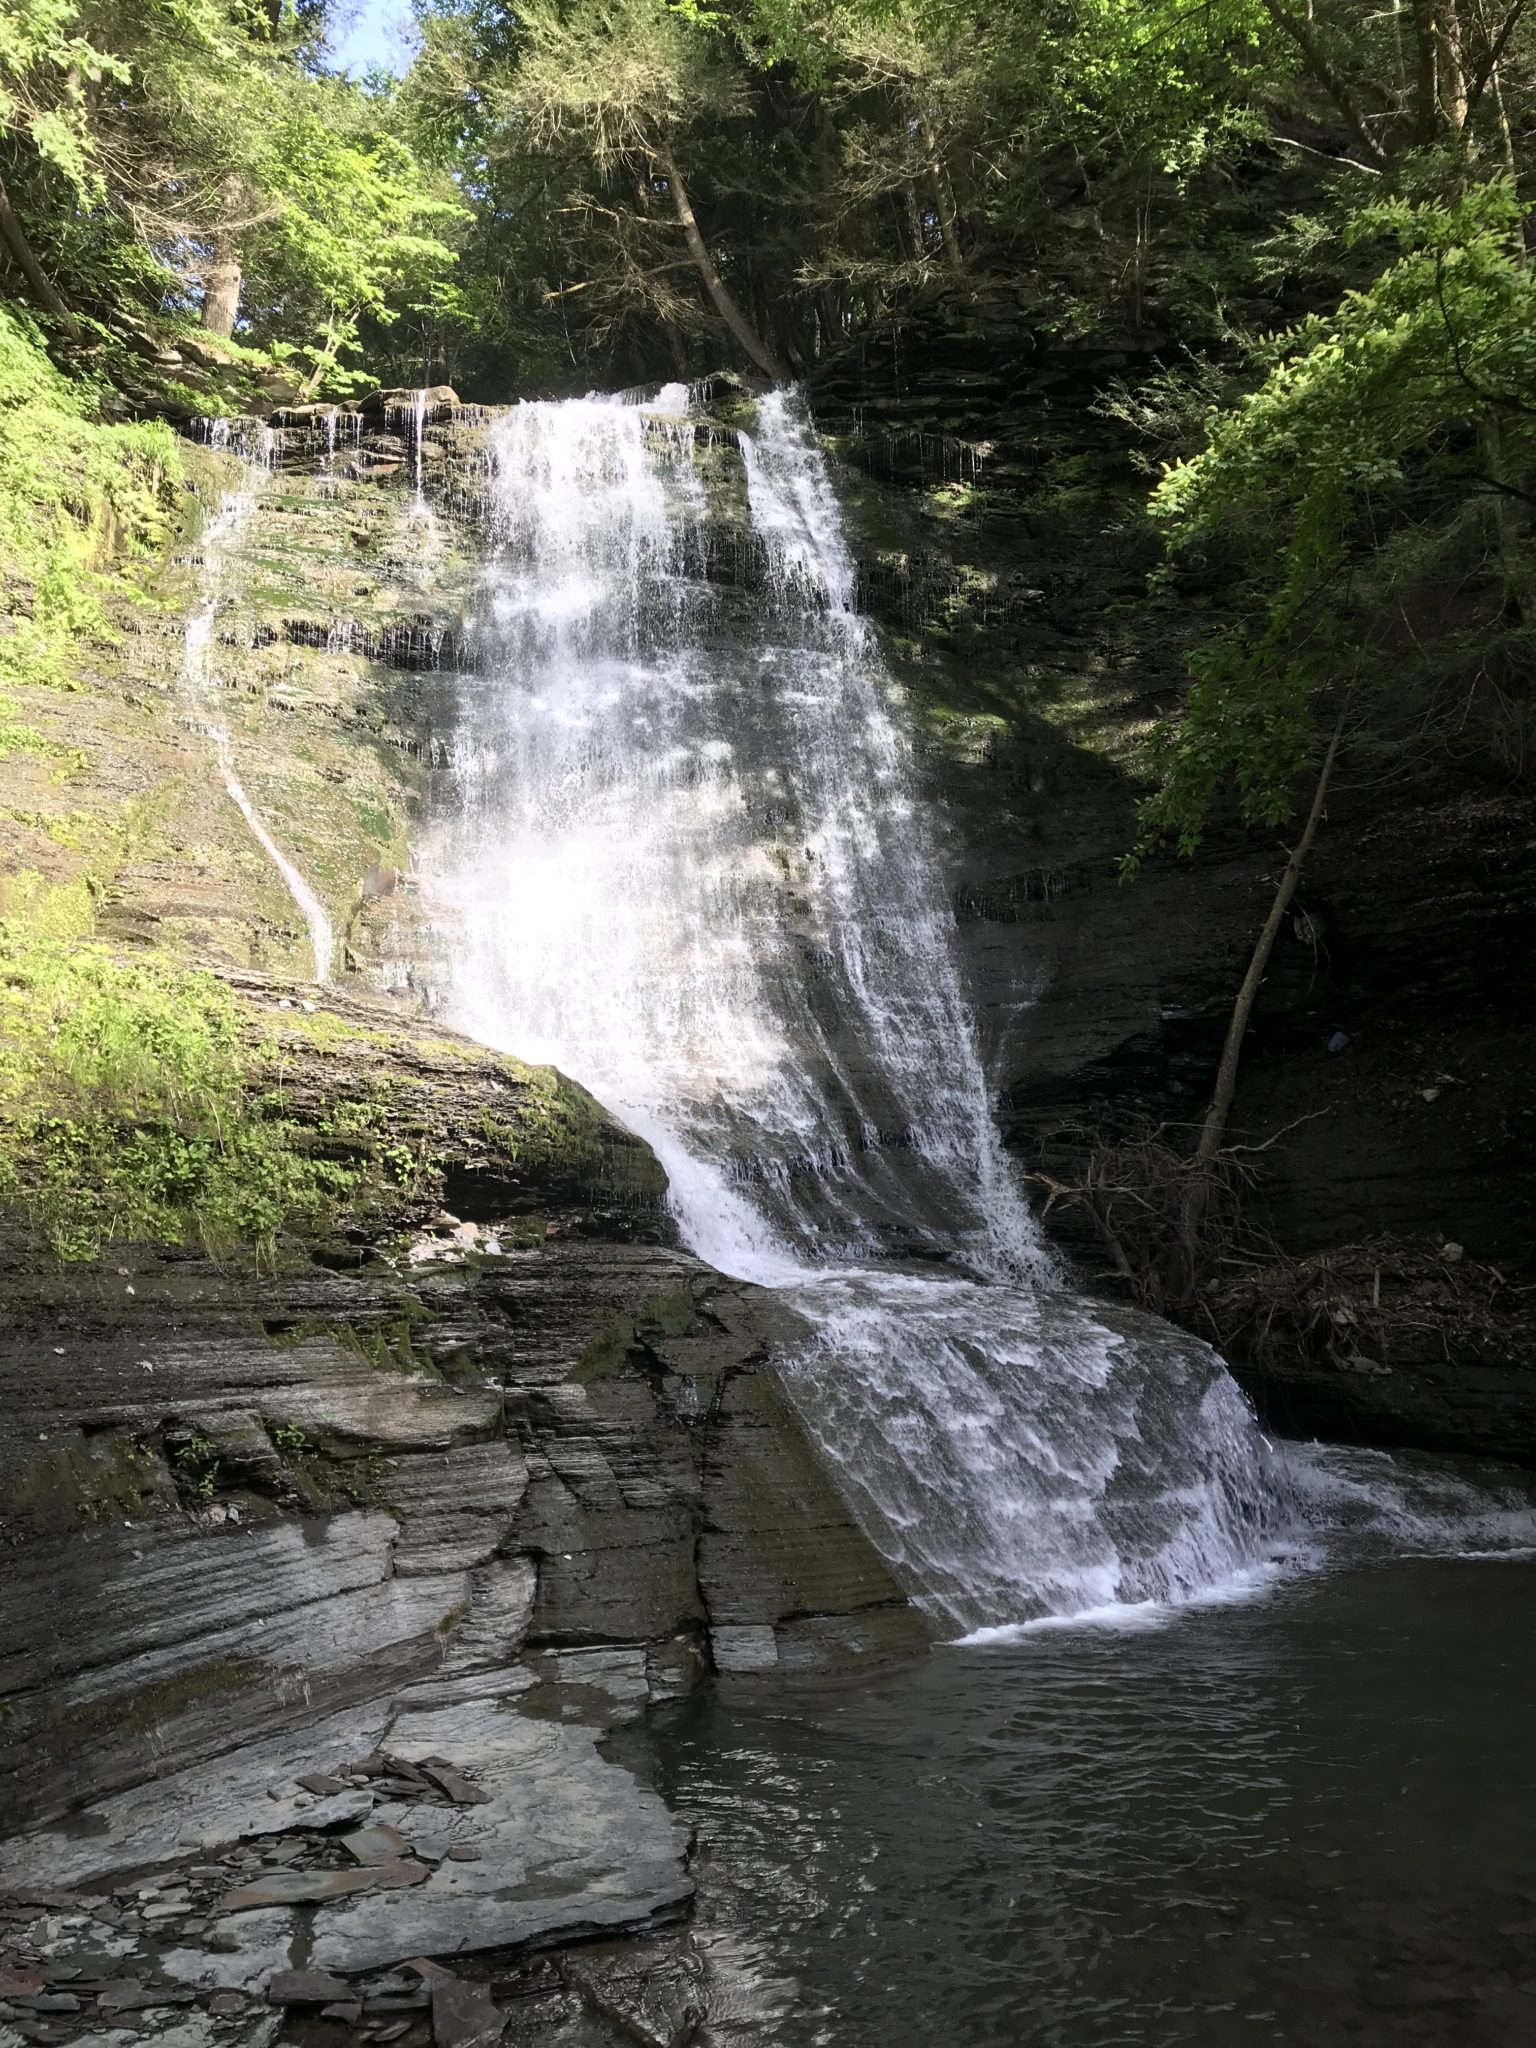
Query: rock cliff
point(1388, 1071)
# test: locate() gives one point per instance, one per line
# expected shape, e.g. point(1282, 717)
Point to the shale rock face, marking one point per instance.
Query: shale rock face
point(465, 1486)
point(234, 1505)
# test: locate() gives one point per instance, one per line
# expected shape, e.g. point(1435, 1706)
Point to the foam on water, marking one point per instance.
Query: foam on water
point(1347, 1501)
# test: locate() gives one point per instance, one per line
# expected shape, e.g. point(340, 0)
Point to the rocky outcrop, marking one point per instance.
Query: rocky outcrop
point(233, 1504)
point(475, 1483)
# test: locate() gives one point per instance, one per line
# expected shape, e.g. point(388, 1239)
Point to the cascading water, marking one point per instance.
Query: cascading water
point(414, 418)
point(198, 680)
point(689, 866)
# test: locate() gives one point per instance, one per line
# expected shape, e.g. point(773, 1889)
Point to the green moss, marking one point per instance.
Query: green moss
point(125, 1109)
point(19, 738)
point(375, 821)
point(671, 1314)
point(142, 1712)
point(106, 1476)
point(393, 1345)
point(80, 502)
point(556, 1129)
point(606, 1353)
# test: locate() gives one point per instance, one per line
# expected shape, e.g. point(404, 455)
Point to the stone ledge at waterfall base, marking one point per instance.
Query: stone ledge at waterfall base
point(482, 1500)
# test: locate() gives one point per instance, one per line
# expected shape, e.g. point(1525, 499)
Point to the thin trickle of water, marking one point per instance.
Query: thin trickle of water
point(419, 512)
point(689, 864)
point(257, 447)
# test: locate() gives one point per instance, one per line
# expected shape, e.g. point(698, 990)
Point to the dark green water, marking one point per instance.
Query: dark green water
point(1307, 1818)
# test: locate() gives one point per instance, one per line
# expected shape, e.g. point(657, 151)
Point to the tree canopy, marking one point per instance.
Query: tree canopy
point(193, 161)
point(1308, 221)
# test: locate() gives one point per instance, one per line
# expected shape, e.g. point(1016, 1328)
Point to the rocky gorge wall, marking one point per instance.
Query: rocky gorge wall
point(469, 1480)
point(1388, 1072)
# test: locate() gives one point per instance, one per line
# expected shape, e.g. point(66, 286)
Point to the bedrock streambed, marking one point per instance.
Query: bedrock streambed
point(1290, 1818)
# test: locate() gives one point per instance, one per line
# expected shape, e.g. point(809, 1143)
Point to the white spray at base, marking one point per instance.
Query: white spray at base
point(687, 863)
point(198, 680)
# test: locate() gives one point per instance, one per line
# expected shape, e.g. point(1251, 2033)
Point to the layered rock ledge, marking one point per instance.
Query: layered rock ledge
point(477, 1482)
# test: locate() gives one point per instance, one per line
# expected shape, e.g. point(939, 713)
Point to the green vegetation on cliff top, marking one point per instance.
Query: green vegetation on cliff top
point(80, 501)
point(1311, 222)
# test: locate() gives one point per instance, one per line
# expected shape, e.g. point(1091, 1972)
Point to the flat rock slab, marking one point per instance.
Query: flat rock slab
point(375, 1845)
point(567, 1843)
point(305, 1987)
point(455, 1786)
point(304, 1887)
point(206, 1807)
point(260, 1944)
point(463, 2015)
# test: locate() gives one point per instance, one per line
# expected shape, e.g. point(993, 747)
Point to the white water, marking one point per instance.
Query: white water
point(688, 864)
point(419, 512)
point(199, 680)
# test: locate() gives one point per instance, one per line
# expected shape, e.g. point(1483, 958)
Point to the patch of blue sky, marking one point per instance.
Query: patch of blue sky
point(371, 35)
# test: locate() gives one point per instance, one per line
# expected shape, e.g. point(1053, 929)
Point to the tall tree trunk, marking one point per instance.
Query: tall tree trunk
point(1214, 1129)
point(1450, 67)
point(1426, 91)
point(327, 355)
point(1485, 77)
point(943, 198)
point(1304, 36)
point(221, 288)
point(1510, 519)
point(915, 234)
point(714, 283)
point(14, 236)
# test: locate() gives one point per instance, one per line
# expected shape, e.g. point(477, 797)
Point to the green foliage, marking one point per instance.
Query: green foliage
point(46, 66)
point(356, 232)
point(198, 1458)
point(1414, 392)
point(77, 500)
point(126, 1107)
point(150, 145)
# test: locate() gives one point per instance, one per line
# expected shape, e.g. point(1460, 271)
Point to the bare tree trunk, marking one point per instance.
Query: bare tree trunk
point(1510, 519)
point(915, 232)
point(1450, 68)
point(1214, 1129)
point(1426, 91)
point(15, 238)
point(326, 357)
point(714, 283)
point(221, 289)
point(1486, 76)
point(943, 199)
point(1302, 34)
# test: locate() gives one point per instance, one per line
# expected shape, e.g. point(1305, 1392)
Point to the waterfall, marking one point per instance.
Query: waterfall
point(689, 864)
